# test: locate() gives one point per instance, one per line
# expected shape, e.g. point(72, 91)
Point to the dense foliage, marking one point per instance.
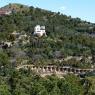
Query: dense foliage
point(26, 82)
point(66, 36)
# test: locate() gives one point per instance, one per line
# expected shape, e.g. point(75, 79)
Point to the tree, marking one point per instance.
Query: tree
point(4, 90)
point(4, 59)
point(71, 86)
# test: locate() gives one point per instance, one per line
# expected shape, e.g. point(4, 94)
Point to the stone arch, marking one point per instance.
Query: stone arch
point(61, 69)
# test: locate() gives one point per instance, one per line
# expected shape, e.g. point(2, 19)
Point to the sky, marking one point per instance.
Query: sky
point(84, 9)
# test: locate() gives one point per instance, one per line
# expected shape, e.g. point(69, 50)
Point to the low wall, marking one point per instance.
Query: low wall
point(49, 70)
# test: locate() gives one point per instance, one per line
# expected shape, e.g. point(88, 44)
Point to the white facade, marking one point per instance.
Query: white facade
point(39, 30)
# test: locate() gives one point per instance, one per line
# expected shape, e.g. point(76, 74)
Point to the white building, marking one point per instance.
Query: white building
point(39, 30)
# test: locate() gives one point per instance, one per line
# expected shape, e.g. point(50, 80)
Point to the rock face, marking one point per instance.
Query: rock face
point(15, 7)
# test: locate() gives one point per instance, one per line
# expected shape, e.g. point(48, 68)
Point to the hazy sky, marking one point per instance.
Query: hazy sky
point(85, 9)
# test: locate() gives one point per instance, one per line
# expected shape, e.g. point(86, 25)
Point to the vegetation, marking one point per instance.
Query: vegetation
point(26, 82)
point(66, 36)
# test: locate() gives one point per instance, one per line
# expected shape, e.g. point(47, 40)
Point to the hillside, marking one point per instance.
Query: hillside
point(43, 16)
point(67, 38)
point(62, 62)
point(17, 7)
